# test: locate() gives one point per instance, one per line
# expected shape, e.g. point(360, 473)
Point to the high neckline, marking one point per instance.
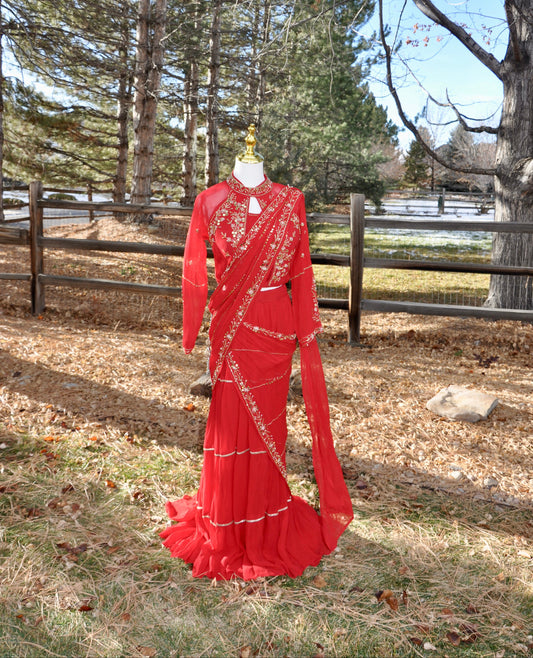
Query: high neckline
point(237, 186)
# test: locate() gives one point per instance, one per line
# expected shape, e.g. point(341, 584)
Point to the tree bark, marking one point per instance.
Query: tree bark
point(151, 25)
point(123, 107)
point(1, 116)
point(514, 163)
point(211, 136)
point(190, 112)
point(262, 65)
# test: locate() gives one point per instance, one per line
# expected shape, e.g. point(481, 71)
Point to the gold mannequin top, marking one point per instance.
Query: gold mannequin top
point(250, 156)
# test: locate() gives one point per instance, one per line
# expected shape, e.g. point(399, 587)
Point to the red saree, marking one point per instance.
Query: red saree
point(244, 521)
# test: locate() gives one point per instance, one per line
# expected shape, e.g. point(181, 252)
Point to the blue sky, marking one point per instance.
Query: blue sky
point(444, 64)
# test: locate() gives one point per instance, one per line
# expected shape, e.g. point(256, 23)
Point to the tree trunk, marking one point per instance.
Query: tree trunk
point(149, 62)
point(252, 81)
point(514, 166)
point(190, 112)
point(256, 84)
point(211, 135)
point(1, 117)
point(262, 63)
point(123, 106)
point(190, 145)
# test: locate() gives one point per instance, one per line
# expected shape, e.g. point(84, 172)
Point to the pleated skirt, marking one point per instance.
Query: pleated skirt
point(244, 522)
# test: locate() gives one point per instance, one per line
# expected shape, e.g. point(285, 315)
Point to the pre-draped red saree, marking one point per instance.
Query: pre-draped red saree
point(244, 521)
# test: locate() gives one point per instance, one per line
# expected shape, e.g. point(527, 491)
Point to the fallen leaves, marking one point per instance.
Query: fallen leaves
point(320, 653)
point(454, 638)
point(465, 634)
point(150, 652)
point(319, 581)
point(460, 634)
point(388, 596)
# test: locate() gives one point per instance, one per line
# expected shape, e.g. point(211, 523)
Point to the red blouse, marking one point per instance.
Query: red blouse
point(221, 217)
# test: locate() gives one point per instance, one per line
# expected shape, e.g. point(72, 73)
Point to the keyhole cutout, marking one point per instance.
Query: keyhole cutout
point(253, 207)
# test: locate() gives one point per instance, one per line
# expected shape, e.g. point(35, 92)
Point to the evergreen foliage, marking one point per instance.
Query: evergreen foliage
point(295, 68)
point(416, 165)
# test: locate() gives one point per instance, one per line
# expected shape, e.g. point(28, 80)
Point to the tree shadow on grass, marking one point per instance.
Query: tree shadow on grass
point(75, 400)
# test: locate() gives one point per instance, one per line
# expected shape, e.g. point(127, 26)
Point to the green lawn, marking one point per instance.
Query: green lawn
point(403, 285)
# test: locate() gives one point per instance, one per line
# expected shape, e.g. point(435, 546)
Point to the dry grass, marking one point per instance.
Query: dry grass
point(95, 435)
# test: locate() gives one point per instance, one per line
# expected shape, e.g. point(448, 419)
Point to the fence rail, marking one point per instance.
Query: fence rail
point(356, 260)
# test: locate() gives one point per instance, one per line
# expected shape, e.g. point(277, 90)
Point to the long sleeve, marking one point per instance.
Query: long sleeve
point(303, 289)
point(194, 280)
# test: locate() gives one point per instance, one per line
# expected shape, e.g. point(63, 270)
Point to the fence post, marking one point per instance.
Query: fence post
point(357, 238)
point(442, 201)
point(36, 249)
point(90, 198)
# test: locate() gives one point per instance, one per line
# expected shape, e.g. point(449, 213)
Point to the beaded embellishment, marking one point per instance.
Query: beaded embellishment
point(256, 415)
point(238, 187)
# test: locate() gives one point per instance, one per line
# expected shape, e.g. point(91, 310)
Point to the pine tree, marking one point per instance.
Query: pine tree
point(416, 166)
point(151, 27)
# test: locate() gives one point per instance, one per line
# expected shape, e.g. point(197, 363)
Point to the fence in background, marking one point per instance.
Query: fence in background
point(356, 261)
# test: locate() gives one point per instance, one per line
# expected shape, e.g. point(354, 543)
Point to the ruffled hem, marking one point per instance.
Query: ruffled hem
point(296, 543)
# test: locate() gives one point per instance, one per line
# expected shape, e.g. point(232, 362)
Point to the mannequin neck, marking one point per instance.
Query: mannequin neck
point(249, 174)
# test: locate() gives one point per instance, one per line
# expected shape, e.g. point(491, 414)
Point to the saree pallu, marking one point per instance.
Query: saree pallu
point(244, 521)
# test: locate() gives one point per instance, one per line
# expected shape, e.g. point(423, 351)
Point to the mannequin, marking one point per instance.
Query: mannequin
point(244, 521)
point(249, 169)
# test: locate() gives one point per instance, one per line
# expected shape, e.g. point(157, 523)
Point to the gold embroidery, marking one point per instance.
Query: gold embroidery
point(256, 415)
point(231, 215)
point(268, 332)
point(272, 380)
point(309, 338)
point(237, 186)
point(251, 292)
point(196, 285)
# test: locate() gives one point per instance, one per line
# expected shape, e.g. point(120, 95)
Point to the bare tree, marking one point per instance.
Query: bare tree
point(513, 170)
point(257, 72)
point(151, 26)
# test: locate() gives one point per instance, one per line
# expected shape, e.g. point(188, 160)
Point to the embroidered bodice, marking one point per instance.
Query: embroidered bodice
point(222, 218)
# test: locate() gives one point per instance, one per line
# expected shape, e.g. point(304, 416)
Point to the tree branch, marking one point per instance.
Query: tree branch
point(405, 119)
point(472, 129)
point(428, 9)
point(460, 116)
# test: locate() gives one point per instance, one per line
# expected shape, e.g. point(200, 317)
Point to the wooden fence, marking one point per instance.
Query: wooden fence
point(354, 304)
point(358, 262)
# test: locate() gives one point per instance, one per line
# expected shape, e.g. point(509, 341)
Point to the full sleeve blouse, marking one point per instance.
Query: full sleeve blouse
point(212, 220)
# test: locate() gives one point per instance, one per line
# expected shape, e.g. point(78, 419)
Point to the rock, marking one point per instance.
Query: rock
point(202, 386)
point(489, 483)
point(455, 475)
point(295, 384)
point(461, 403)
